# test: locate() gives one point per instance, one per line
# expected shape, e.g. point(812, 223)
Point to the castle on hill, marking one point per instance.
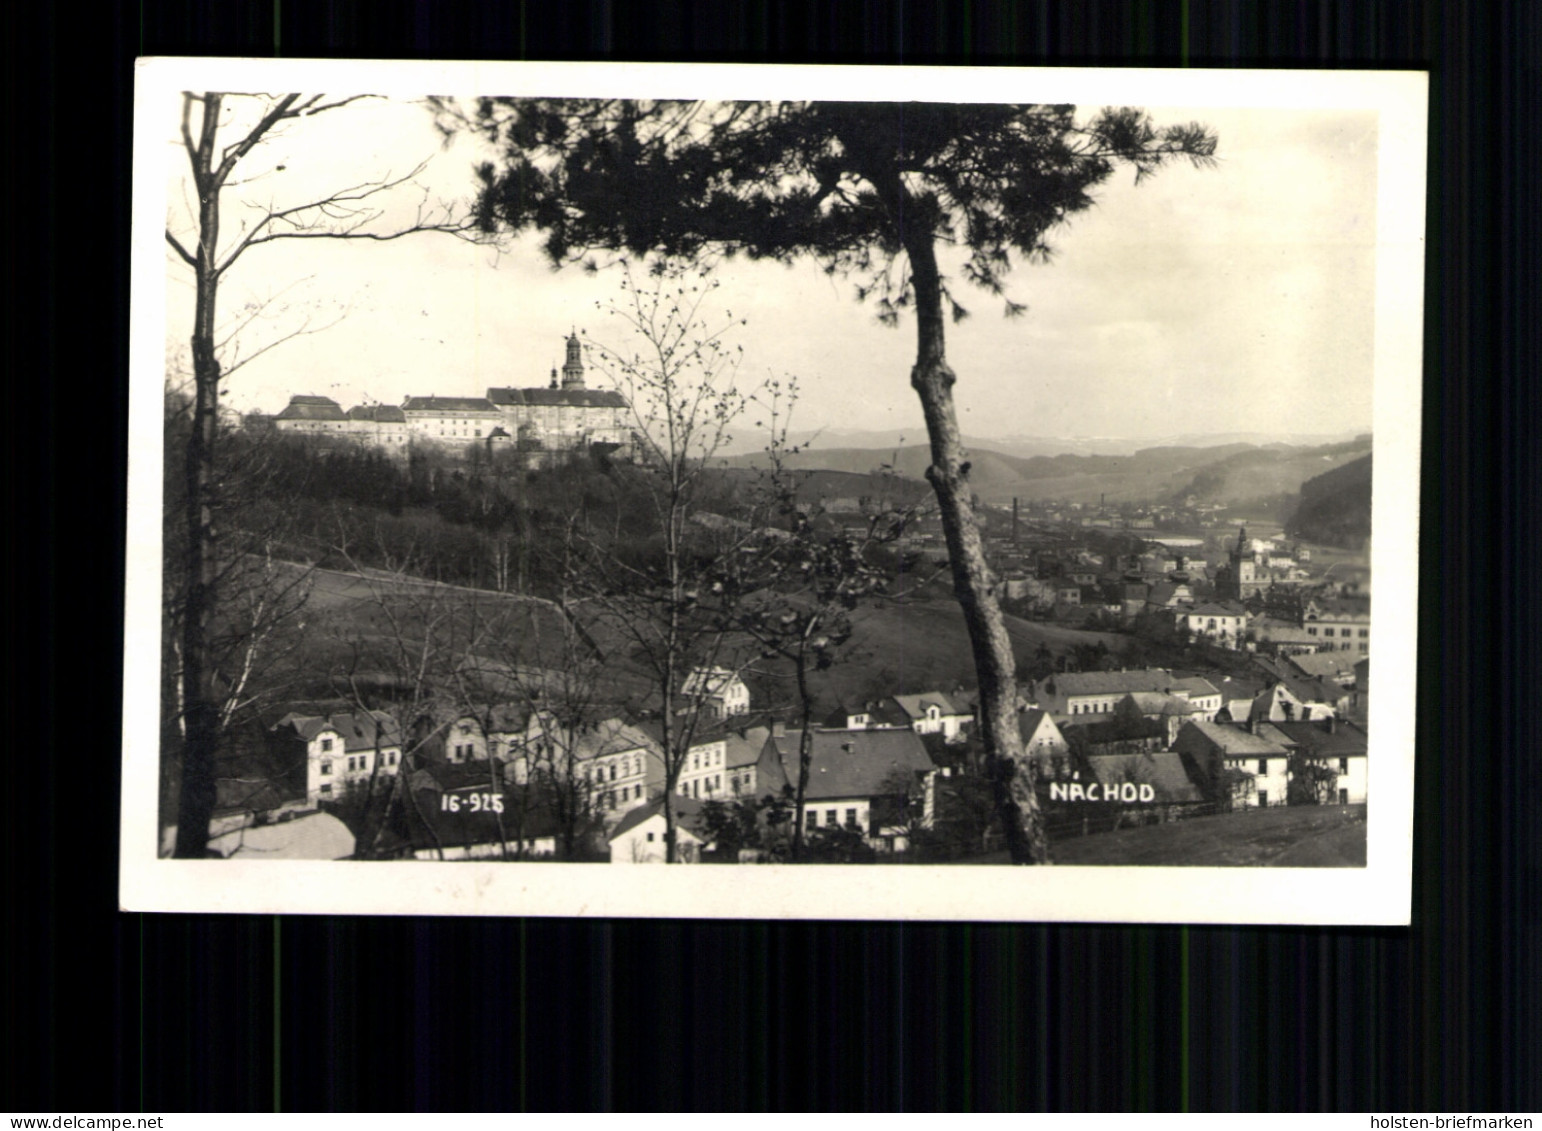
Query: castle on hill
point(563, 417)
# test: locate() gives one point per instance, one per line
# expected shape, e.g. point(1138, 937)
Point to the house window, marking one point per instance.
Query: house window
point(1263, 766)
point(1263, 799)
point(326, 745)
point(1327, 632)
point(830, 816)
point(327, 788)
point(1364, 647)
point(812, 820)
point(1343, 765)
point(851, 817)
point(1364, 632)
point(650, 838)
point(326, 767)
point(1311, 632)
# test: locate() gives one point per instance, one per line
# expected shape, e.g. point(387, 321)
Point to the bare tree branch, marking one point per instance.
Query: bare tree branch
point(180, 250)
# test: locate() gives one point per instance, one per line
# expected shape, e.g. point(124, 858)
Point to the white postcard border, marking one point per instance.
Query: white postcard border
point(1376, 895)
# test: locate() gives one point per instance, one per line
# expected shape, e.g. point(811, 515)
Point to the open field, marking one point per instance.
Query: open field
point(372, 626)
point(920, 644)
point(1306, 836)
point(899, 645)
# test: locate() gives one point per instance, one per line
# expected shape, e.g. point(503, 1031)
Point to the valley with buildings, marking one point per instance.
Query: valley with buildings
point(441, 678)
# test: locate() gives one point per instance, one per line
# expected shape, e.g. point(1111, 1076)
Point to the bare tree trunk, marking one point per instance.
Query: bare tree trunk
point(195, 806)
point(995, 668)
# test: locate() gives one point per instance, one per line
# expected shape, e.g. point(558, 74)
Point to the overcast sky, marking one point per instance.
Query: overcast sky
point(1232, 299)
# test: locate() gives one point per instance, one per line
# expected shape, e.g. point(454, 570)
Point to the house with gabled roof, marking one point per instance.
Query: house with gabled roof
point(858, 778)
point(1258, 766)
point(1335, 667)
point(1296, 700)
point(1342, 624)
point(1339, 745)
point(717, 693)
point(638, 837)
point(1094, 693)
point(1221, 622)
point(623, 764)
point(1044, 745)
point(931, 712)
point(341, 750)
point(850, 715)
point(742, 759)
point(1163, 770)
point(1237, 695)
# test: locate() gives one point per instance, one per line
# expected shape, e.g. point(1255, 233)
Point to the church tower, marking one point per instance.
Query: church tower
point(573, 369)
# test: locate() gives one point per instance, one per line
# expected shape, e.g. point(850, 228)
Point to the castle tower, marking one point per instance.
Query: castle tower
point(573, 369)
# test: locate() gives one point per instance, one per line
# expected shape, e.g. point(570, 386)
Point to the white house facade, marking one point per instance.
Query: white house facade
point(719, 691)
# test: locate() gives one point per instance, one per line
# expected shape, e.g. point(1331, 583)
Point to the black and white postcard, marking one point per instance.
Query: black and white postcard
point(895, 493)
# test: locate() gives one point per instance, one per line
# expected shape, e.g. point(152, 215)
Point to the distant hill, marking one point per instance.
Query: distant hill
point(1025, 447)
point(1229, 474)
point(1335, 507)
point(1271, 473)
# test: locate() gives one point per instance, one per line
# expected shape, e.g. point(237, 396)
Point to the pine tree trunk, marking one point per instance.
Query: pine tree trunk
point(995, 668)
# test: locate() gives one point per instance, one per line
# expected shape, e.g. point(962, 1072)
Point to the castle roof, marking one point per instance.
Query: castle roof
point(448, 404)
point(380, 413)
point(573, 398)
point(311, 408)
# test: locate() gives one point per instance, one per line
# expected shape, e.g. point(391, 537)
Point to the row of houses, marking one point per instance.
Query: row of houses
point(482, 782)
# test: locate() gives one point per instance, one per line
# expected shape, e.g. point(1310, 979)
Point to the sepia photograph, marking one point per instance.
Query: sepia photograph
point(898, 493)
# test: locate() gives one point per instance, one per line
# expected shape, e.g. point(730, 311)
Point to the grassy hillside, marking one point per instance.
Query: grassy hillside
point(916, 645)
point(371, 630)
point(1335, 507)
point(1264, 473)
point(1308, 836)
